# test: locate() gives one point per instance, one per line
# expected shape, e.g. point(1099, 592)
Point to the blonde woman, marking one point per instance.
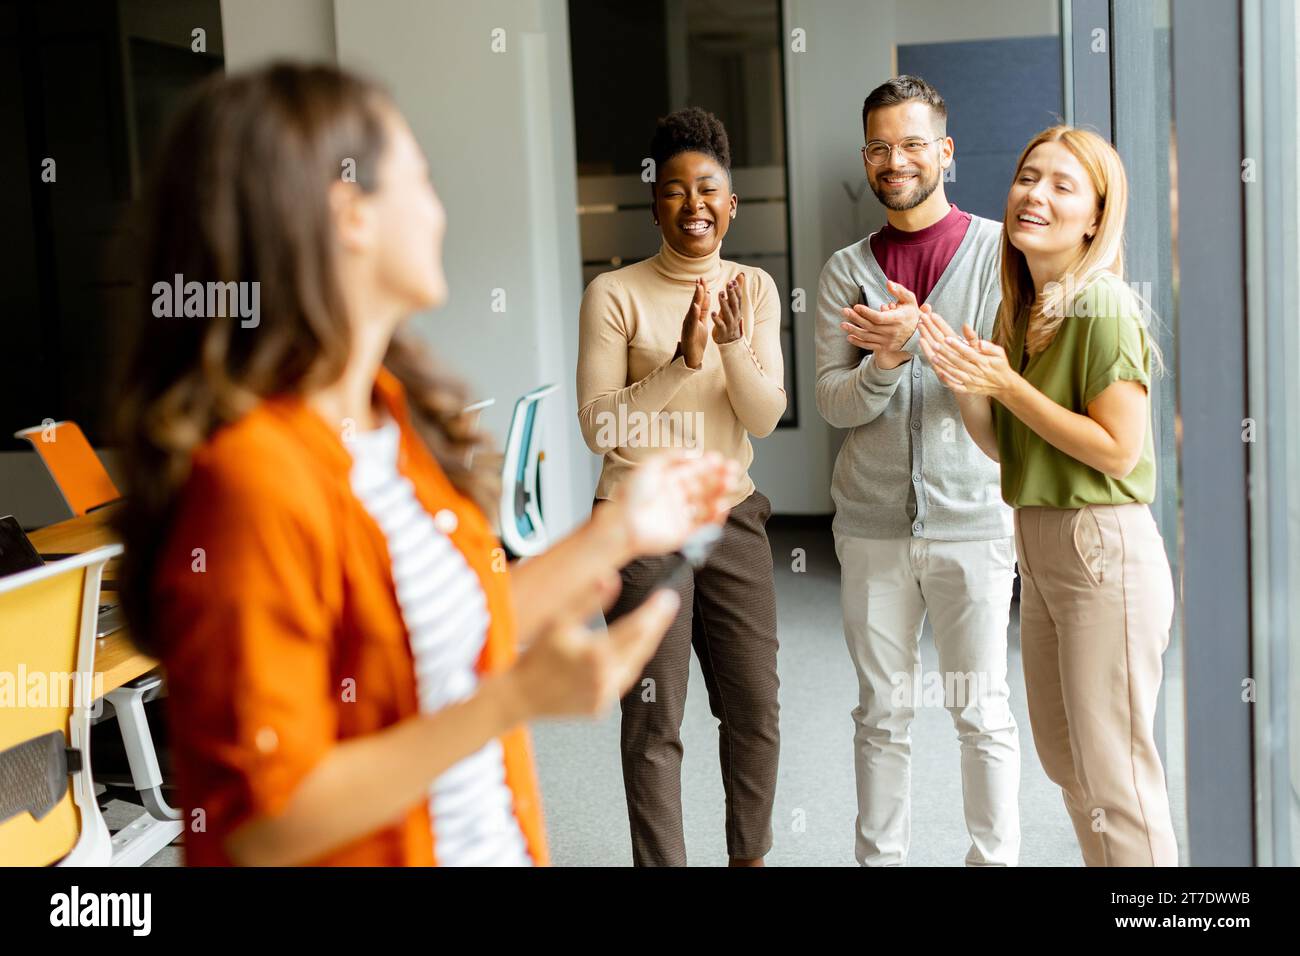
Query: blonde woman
point(1060, 397)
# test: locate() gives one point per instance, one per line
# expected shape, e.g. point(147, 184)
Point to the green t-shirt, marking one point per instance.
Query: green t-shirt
point(1102, 341)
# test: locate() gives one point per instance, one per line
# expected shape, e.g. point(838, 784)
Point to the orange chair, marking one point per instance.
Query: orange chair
point(72, 463)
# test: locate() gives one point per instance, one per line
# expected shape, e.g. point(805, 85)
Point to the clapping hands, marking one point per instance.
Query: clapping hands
point(966, 364)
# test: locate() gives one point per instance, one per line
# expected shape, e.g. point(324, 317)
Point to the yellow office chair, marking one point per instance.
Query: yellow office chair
point(48, 812)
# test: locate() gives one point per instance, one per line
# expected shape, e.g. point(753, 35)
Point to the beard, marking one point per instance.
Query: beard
point(901, 202)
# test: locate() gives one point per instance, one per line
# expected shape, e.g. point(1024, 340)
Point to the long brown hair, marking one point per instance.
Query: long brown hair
point(1100, 256)
point(240, 194)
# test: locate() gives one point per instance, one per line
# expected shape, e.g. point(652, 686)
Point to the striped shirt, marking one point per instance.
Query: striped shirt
point(446, 618)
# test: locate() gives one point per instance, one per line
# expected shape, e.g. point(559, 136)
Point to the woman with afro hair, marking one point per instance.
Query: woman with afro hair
point(683, 350)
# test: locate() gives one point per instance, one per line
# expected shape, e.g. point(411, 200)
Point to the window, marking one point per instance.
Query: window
point(88, 89)
point(1270, 177)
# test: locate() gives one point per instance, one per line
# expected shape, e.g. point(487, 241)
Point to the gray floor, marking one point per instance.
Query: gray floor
point(813, 820)
point(120, 813)
point(815, 806)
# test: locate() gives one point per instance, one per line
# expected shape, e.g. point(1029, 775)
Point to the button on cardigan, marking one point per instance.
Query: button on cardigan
point(907, 467)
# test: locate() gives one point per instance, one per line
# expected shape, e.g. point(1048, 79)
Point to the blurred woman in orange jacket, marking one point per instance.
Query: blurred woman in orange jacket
point(306, 548)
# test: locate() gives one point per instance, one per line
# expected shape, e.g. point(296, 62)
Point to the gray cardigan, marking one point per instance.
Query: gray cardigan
point(907, 467)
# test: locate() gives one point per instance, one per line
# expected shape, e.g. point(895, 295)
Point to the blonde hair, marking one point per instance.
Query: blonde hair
point(1099, 257)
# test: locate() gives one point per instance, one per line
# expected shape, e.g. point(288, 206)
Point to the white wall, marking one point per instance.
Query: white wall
point(256, 31)
point(498, 130)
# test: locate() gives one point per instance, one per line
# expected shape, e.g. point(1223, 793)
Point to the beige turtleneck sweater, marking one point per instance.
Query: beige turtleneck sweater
point(634, 398)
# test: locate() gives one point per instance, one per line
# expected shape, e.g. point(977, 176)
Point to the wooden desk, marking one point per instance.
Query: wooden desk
point(116, 658)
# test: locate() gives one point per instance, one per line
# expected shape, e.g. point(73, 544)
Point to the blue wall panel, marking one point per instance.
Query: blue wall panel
point(999, 94)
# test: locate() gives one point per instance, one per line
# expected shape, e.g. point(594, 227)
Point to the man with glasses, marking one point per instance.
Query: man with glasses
point(920, 526)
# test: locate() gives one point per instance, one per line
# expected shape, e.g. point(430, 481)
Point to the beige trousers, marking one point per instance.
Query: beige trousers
point(1096, 604)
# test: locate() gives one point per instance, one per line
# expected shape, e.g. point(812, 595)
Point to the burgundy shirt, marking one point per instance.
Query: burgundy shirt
point(916, 260)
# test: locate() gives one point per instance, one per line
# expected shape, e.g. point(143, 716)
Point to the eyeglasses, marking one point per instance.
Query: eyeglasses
point(878, 152)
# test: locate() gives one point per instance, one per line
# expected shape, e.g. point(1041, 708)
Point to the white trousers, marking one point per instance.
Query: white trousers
point(887, 588)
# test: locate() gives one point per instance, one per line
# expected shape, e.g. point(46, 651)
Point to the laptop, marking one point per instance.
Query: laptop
point(17, 553)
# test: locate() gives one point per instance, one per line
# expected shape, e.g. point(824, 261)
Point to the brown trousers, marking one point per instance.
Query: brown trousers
point(1096, 602)
point(729, 616)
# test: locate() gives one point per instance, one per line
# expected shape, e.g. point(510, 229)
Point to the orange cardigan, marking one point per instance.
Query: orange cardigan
point(281, 633)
